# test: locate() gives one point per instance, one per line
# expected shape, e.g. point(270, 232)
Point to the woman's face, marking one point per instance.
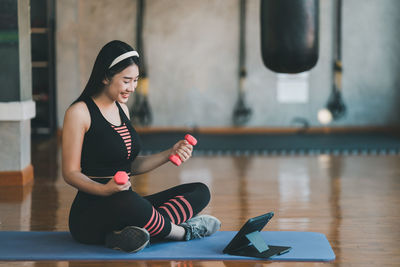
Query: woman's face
point(123, 84)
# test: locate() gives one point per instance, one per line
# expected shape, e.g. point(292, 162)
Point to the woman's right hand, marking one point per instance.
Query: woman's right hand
point(112, 187)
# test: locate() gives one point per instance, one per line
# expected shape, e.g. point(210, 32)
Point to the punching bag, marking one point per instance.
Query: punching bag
point(289, 34)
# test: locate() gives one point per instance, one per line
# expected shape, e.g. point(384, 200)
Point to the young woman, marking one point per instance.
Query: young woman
point(98, 140)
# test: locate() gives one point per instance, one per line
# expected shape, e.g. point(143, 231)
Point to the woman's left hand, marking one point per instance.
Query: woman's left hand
point(183, 149)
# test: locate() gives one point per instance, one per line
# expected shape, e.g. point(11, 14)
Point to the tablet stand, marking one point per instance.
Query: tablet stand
point(255, 246)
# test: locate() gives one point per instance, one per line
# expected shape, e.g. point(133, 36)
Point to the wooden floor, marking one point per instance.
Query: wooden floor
point(353, 200)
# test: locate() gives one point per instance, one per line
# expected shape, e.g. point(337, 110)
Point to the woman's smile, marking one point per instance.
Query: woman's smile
point(125, 95)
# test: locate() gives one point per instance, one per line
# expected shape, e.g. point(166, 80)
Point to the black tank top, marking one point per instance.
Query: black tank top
point(108, 148)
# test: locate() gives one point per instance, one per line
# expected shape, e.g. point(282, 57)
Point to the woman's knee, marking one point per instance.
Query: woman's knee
point(203, 188)
point(202, 192)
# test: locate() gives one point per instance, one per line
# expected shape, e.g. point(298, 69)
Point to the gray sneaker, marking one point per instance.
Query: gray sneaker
point(200, 226)
point(129, 239)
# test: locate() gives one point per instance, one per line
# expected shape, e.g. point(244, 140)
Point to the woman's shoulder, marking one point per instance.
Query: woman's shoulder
point(78, 108)
point(78, 112)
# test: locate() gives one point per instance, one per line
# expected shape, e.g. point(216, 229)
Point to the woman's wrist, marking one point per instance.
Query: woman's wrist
point(104, 190)
point(169, 152)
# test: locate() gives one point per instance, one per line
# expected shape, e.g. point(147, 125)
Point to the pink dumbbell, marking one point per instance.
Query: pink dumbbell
point(121, 177)
point(175, 158)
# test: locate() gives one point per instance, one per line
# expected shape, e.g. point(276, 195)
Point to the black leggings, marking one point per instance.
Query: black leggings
point(92, 217)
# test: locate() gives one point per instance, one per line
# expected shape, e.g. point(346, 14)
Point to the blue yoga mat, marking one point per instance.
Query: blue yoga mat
point(34, 246)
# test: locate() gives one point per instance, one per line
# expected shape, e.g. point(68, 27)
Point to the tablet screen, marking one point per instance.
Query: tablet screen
point(240, 240)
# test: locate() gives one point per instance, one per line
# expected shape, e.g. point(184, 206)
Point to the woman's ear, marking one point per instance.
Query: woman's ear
point(106, 81)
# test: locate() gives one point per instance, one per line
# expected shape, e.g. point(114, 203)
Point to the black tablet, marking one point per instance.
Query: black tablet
point(240, 241)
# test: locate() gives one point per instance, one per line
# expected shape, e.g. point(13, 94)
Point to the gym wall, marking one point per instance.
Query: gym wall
point(192, 57)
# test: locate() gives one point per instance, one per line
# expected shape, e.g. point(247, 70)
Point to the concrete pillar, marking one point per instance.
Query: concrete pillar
point(16, 105)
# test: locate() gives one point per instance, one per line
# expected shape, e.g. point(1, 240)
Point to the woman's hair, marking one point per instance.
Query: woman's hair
point(101, 69)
